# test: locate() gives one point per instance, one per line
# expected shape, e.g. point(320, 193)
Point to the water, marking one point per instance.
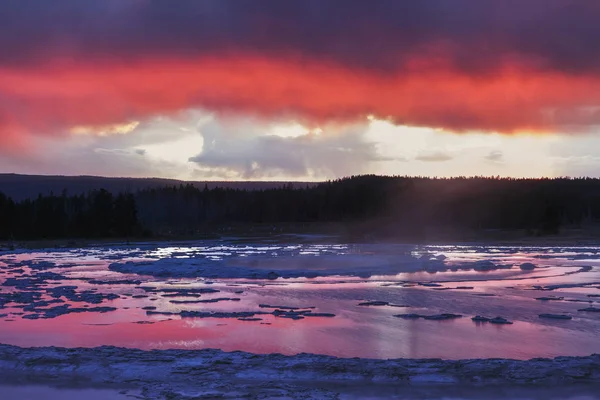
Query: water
point(355, 331)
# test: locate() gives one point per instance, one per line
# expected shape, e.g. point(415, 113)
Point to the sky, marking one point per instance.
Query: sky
point(300, 90)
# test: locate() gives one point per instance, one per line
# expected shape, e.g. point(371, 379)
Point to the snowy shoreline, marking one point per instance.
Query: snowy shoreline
point(187, 374)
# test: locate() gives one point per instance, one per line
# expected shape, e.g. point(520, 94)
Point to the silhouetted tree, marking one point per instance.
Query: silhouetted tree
point(393, 205)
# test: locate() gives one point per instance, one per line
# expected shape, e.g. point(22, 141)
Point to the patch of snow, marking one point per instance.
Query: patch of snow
point(185, 374)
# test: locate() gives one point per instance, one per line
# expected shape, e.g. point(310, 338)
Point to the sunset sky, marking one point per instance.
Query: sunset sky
point(300, 90)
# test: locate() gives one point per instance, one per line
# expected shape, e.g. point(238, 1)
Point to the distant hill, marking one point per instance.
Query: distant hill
point(21, 187)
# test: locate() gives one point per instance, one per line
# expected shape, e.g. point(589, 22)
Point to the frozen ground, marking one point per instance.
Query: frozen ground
point(186, 375)
point(33, 392)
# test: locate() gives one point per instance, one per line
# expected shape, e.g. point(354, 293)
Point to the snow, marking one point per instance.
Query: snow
point(31, 392)
point(181, 374)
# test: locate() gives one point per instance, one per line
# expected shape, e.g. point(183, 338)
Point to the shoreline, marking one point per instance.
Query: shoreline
point(187, 374)
point(511, 239)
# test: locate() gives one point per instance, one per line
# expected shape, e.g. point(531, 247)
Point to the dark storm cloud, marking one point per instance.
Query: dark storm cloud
point(473, 35)
point(503, 66)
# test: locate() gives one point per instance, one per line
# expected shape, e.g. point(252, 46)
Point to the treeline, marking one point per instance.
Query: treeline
point(400, 206)
point(99, 214)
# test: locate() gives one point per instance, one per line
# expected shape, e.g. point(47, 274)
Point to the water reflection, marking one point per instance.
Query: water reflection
point(355, 331)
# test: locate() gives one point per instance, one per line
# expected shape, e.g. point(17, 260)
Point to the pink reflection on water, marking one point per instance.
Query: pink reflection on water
point(413, 339)
point(354, 332)
point(87, 330)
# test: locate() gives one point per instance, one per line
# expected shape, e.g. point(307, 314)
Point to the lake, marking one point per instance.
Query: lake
point(302, 294)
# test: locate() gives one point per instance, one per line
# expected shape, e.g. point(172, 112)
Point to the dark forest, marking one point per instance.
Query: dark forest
point(394, 206)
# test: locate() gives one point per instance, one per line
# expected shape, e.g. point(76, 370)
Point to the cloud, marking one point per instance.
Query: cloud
point(51, 100)
point(494, 156)
point(467, 65)
point(120, 152)
point(472, 35)
point(577, 166)
point(435, 156)
point(118, 129)
point(248, 149)
point(134, 154)
point(221, 147)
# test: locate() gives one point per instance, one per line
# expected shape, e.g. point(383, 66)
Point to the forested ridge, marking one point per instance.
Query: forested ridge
point(401, 206)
